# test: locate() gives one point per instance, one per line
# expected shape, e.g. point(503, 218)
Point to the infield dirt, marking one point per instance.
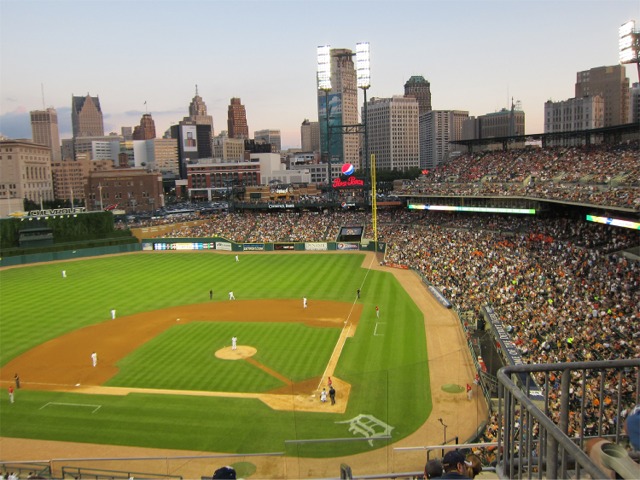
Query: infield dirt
point(449, 363)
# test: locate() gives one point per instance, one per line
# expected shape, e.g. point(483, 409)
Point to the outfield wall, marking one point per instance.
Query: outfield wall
point(186, 244)
point(68, 254)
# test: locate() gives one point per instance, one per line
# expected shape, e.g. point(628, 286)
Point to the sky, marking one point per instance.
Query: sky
point(476, 54)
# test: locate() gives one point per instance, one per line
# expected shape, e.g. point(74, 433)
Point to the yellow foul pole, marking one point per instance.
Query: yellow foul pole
point(374, 203)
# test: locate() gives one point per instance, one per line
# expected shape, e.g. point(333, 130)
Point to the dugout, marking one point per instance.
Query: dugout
point(35, 237)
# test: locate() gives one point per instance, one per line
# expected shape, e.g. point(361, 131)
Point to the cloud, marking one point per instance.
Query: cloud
point(15, 124)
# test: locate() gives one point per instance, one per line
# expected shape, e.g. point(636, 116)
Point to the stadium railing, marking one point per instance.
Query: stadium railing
point(534, 440)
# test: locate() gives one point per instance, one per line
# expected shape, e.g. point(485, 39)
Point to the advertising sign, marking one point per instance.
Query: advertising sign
point(189, 139)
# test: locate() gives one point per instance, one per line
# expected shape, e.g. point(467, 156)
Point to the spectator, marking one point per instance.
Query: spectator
point(454, 465)
point(433, 469)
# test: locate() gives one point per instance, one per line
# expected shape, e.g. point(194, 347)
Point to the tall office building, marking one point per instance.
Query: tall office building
point(342, 111)
point(86, 117)
point(574, 114)
point(237, 120)
point(634, 103)
point(44, 131)
point(25, 171)
point(611, 84)
point(146, 130)
point(437, 129)
point(198, 112)
point(310, 136)
point(392, 125)
point(271, 137)
point(420, 89)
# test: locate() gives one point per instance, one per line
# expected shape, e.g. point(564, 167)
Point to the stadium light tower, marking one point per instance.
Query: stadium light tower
point(363, 79)
point(324, 84)
point(629, 43)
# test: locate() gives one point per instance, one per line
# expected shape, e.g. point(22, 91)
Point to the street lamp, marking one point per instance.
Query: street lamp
point(444, 442)
point(324, 84)
point(629, 43)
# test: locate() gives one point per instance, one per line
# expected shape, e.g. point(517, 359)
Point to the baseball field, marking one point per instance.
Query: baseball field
point(167, 378)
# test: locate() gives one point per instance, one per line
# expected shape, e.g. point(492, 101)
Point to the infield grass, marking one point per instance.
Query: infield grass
point(386, 361)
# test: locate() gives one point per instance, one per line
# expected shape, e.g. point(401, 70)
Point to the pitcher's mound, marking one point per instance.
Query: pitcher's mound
point(241, 351)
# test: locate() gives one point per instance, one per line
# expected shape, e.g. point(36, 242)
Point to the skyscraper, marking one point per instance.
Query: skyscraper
point(310, 136)
point(342, 111)
point(198, 112)
point(237, 120)
point(438, 128)
point(420, 89)
point(271, 137)
point(44, 131)
point(610, 83)
point(392, 125)
point(146, 130)
point(86, 117)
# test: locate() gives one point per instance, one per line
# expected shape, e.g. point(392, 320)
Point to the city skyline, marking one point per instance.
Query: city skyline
point(148, 56)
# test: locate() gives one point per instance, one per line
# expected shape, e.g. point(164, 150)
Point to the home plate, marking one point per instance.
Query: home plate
point(77, 384)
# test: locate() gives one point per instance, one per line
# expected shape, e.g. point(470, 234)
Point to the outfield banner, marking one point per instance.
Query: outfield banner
point(315, 246)
point(510, 350)
point(147, 246)
point(281, 205)
point(283, 246)
point(347, 246)
point(223, 246)
point(253, 246)
point(436, 293)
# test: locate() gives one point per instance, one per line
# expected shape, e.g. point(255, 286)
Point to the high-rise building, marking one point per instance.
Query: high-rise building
point(634, 103)
point(194, 142)
point(420, 89)
point(198, 112)
point(504, 123)
point(228, 149)
point(86, 117)
point(146, 130)
point(342, 110)
point(611, 84)
point(126, 133)
point(25, 171)
point(437, 129)
point(392, 125)
point(44, 131)
point(271, 137)
point(310, 136)
point(69, 177)
point(237, 120)
point(574, 114)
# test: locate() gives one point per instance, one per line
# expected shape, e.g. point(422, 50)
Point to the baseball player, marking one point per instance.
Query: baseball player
point(234, 343)
point(304, 302)
point(94, 359)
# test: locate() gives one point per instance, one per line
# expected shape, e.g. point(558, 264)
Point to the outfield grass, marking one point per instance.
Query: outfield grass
point(386, 364)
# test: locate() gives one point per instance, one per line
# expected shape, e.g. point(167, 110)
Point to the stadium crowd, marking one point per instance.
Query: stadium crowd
point(597, 175)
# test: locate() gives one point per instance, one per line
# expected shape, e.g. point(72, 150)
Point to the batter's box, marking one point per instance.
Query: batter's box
point(94, 408)
point(380, 329)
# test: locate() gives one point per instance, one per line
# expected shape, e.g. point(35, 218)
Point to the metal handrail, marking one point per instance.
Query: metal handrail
point(555, 448)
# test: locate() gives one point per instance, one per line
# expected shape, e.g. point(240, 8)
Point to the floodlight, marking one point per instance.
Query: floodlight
point(324, 68)
point(627, 50)
point(363, 66)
